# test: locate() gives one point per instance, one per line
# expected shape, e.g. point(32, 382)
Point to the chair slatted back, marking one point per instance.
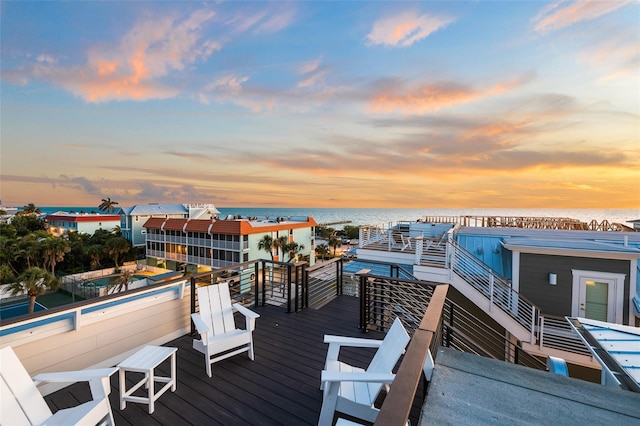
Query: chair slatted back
point(215, 308)
point(388, 353)
point(22, 403)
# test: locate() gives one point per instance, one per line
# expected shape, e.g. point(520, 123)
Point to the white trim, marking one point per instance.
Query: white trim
point(618, 291)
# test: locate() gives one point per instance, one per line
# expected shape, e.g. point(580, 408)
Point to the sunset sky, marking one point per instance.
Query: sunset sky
point(321, 104)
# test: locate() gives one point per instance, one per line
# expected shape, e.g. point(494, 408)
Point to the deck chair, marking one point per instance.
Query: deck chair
point(22, 403)
point(219, 337)
point(398, 240)
point(351, 390)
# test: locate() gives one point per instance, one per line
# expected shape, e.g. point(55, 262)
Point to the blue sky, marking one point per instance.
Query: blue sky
point(321, 104)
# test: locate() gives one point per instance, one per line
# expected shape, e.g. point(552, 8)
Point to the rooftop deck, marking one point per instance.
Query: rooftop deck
point(280, 387)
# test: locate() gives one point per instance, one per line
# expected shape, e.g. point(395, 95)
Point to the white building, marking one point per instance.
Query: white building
point(61, 223)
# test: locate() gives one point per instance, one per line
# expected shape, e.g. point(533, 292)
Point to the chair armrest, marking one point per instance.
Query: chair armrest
point(98, 379)
point(75, 376)
point(245, 311)
point(200, 325)
point(357, 342)
point(340, 376)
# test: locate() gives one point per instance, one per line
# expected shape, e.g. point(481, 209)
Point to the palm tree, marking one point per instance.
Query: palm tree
point(335, 242)
point(29, 209)
point(95, 253)
point(53, 251)
point(107, 205)
point(35, 282)
point(322, 250)
point(6, 274)
point(266, 244)
point(117, 246)
point(121, 283)
point(293, 249)
point(280, 243)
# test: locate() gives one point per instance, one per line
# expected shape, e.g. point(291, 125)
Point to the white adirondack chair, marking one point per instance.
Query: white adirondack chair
point(219, 337)
point(352, 390)
point(22, 403)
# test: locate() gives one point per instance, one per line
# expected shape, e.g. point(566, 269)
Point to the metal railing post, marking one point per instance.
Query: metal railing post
point(288, 295)
point(193, 303)
point(490, 292)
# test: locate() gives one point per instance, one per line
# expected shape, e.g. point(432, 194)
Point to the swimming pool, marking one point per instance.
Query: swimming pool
point(17, 309)
point(111, 279)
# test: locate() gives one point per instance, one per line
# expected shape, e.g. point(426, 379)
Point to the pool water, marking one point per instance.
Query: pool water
point(17, 309)
point(106, 281)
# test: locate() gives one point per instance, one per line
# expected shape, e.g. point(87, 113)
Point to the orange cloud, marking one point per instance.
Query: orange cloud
point(133, 70)
point(554, 17)
point(433, 97)
point(405, 28)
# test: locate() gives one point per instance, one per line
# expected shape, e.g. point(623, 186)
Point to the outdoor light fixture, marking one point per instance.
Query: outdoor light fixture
point(553, 279)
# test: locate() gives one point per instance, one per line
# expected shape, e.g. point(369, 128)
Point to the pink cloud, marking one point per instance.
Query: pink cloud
point(405, 28)
point(556, 16)
point(433, 97)
point(133, 70)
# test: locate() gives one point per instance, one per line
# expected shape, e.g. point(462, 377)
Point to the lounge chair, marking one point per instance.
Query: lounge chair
point(351, 390)
point(216, 325)
point(398, 240)
point(22, 403)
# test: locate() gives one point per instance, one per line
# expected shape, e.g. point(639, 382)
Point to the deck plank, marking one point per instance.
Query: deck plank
point(282, 385)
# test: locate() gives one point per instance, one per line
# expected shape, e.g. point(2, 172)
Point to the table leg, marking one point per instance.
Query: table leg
point(152, 395)
point(173, 372)
point(123, 389)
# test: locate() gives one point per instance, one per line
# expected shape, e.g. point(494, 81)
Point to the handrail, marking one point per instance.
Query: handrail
point(397, 404)
point(496, 288)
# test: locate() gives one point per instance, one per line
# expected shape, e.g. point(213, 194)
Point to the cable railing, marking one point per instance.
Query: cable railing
point(495, 288)
point(465, 332)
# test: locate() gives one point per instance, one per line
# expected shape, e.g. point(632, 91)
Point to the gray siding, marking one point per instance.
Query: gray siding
point(556, 300)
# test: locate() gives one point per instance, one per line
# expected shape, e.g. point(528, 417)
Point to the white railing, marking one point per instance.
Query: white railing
point(495, 288)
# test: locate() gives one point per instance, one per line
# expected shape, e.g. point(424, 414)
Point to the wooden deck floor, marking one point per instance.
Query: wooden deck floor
point(280, 387)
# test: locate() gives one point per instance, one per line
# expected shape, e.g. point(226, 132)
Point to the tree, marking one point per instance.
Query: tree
point(35, 282)
point(121, 283)
point(95, 253)
point(29, 209)
point(117, 246)
point(266, 244)
point(6, 275)
point(53, 250)
point(322, 250)
point(335, 242)
point(293, 249)
point(280, 243)
point(26, 224)
point(107, 205)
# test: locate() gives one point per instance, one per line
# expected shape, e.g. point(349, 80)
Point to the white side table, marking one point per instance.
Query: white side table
point(145, 361)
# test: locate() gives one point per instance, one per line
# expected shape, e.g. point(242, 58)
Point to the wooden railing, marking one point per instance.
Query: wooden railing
point(397, 405)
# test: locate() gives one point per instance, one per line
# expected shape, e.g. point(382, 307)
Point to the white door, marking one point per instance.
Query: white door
point(599, 296)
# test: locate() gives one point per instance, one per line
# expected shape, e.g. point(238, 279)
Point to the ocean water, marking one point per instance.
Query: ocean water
point(370, 216)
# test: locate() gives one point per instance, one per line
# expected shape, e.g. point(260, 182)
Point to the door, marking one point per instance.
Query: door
point(599, 296)
point(597, 299)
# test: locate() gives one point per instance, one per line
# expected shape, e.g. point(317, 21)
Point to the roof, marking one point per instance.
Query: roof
point(82, 217)
point(583, 245)
point(615, 346)
point(154, 209)
point(229, 227)
point(467, 389)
